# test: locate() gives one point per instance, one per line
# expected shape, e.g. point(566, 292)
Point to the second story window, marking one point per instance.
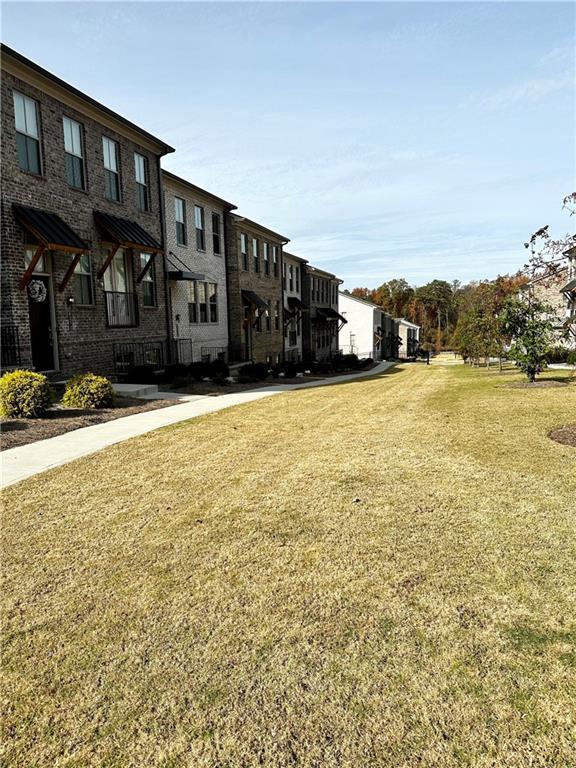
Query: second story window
point(255, 255)
point(199, 224)
point(275, 260)
point(141, 177)
point(277, 316)
point(74, 153)
point(111, 172)
point(291, 277)
point(298, 279)
point(216, 234)
point(266, 255)
point(284, 275)
point(244, 251)
point(27, 133)
point(180, 217)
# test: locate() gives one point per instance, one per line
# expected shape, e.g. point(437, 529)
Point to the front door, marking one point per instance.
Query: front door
point(41, 332)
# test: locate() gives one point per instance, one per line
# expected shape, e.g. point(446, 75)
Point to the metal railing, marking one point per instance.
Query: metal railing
point(10, 346)
point(208, 354)
point(134, 354)
point(121, 309)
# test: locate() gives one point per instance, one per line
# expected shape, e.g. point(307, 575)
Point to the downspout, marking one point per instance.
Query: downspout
point(227, 212)
point(167, 302)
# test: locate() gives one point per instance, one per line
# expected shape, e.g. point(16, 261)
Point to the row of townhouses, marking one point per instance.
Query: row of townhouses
point(109, 261)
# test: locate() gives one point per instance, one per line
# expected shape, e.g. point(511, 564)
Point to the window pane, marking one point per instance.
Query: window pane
point(110, 154)
point(199, 217)
point(19, 112)
point(140, 168)
point(30, 109)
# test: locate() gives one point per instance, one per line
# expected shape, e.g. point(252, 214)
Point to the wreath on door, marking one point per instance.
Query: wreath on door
point(37, 291)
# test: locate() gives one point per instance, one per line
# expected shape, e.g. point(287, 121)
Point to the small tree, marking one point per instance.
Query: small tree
point(525, 321)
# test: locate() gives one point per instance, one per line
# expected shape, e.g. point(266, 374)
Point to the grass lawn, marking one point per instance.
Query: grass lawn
point(376, 573)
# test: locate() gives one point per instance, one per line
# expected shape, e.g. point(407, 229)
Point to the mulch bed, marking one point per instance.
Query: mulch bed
point(565, 435)
point(58, 420)
point(544, 384)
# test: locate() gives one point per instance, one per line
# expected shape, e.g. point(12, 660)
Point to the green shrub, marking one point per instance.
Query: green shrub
point(24, 394)
point(254, 371)
point(219, 369)
point(558, 354)
point(88, 391)
point(571, 358)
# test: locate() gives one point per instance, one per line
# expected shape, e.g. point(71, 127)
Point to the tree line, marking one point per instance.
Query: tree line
point(488, 318)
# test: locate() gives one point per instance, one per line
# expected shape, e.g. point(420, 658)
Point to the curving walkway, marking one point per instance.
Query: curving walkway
point(27, 460)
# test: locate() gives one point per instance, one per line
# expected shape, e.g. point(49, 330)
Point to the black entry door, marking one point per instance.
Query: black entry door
point(41, 335)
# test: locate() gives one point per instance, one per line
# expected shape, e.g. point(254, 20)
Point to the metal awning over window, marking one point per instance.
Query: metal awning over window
point(126, 233)
point(179, 271)
point(249, 297)
point(295, 305)
point(327, 313)
point(49, 229)
point(52, 233)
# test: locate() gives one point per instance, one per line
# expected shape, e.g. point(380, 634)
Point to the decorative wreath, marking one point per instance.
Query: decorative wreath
point(37, 291)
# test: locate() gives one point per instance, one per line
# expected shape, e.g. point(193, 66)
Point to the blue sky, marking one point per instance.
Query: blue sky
point(416, 140)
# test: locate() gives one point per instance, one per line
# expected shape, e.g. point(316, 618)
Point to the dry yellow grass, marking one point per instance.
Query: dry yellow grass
point(214, 594)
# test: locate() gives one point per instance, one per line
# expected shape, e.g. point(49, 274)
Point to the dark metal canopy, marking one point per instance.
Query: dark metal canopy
point(49, 229)
point(183, 274)
point(123, 232)
point(295, 304)
point(252, 298)
point(327, 313)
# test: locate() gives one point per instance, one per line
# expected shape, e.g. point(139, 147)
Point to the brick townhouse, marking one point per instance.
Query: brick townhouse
point(322, 322)
point(196, 267)
point(254, 266)
point(558, 291)
point(83, 277)
point(294, 307)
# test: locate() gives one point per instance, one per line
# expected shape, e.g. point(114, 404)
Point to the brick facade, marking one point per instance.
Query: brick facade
point(320, 335)
point(255, 334)
point(82, 339)
point(196, 336)
point(292, 276)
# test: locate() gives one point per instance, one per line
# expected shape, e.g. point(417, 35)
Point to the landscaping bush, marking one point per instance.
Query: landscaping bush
point(142, 374)
point(366, 362)
point(290, 370)
point(218, 369)
point(88, 391)
point(24, 394)
point(253, 371)
point(199, 370)
point(180, 382)
point(558, 354)
point(175, 371)
point(571, 359)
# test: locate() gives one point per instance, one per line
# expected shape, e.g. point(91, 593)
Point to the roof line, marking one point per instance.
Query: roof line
point(239, 218)
point(5, 50)
point(196, 188)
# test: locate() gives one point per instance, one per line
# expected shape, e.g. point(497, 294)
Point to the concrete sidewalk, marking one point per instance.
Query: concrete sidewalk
point(27, 460)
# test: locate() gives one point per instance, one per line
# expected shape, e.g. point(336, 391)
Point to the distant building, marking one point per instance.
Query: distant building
point(196, 270)
point(294, 307)
point(558, 292)
point(322, 321)
point(255, 311)
point(369, 331)
point(409, 337)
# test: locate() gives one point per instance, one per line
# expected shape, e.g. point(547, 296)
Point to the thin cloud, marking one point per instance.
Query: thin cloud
point(530, 91)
